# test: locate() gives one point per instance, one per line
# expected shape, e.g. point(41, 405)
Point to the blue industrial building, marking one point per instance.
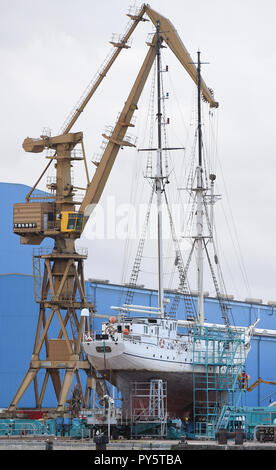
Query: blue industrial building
point(19, 313)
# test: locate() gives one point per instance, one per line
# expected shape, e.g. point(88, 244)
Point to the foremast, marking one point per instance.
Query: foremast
point(159, 178)
point(199, 204)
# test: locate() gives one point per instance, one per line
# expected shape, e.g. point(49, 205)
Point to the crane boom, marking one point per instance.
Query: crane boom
point(258, 382)
point(67, 126)
point(116, 141)
point(171, 37)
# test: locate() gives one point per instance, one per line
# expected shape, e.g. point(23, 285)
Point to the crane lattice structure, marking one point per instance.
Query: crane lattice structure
point(63, 293)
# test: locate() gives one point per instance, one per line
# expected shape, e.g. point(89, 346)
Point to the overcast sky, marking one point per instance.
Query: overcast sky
point(49, 52)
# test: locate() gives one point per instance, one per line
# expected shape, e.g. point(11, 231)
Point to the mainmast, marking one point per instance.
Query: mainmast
point(159, 177)
point(199, 204)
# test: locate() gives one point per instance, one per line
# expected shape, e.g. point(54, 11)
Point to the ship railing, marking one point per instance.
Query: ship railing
point(134, 338)
point(101, 335)
point(150, 340)
point(89, 336)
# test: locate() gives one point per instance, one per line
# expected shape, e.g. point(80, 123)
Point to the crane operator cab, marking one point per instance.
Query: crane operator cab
point(71, 222)
point(35, 220)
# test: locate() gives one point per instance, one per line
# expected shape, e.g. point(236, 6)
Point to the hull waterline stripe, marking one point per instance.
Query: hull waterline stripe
point(156, 359)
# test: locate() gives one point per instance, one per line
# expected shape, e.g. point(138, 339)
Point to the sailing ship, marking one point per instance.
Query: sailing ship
point(145, 343)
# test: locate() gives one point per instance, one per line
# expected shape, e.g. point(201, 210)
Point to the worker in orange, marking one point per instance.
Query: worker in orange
point(243, 380)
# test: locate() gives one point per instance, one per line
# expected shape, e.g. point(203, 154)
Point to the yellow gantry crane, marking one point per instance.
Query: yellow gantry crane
point(62, 293)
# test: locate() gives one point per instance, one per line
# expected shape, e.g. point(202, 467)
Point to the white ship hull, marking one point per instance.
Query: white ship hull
point(176, 359)
point(125, 365)
point(131, 356)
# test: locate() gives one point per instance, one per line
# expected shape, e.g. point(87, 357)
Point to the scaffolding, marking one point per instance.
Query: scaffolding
point(149, 408)
point(218, 362)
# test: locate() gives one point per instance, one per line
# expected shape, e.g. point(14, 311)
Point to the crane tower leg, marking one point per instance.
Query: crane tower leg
point(62, 296)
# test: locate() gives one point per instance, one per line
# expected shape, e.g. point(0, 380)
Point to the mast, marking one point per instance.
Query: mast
point(199, 204)
point(158, 178)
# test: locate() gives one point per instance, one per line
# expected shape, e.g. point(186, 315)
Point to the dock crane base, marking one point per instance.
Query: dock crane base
point(62, 295)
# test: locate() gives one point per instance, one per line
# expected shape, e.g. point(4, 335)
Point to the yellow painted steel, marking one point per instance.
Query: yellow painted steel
point(71, 221)
point(173, 40)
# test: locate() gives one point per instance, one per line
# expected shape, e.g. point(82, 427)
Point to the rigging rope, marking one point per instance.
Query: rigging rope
point(183, 286)
point(137, 262)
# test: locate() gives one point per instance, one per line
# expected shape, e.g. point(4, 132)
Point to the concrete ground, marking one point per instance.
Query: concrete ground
point(146, 445)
